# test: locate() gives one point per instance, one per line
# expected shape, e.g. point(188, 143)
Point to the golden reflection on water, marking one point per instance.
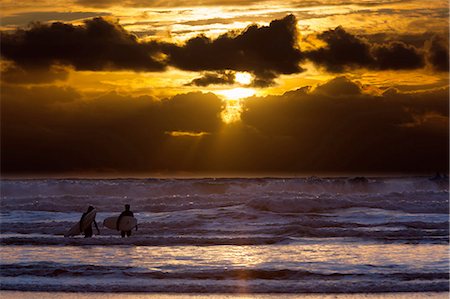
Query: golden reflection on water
point(240, 256)
point(305, 256)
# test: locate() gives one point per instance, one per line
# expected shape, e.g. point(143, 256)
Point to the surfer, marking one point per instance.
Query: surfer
point(127, 212)
point(88, 231)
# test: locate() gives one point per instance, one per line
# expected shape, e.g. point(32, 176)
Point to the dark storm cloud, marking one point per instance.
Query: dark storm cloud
point(397, 56)
point(339, 86)
point(213, 78)
point(267, 51)
point(336, 127)
point(17, 75)
point(195, 111)
point(438, 55)
point(261, 50)
point(101, 45)
point(98, 45)
point(345, 51)
point(49, 129)
point(414, 39)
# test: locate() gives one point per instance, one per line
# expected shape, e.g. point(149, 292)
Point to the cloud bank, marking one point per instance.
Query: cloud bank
point(344, 51)
point(267, 51)
point(97, 45)
point(336, 127)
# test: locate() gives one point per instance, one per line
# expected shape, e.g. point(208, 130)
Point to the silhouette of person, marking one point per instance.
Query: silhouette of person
point(127, 212)
point(88, 231)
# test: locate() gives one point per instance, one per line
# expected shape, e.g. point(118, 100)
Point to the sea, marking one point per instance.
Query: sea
point(228, 235)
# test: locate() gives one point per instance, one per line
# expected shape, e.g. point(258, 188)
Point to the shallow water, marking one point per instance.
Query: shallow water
point(229, 235)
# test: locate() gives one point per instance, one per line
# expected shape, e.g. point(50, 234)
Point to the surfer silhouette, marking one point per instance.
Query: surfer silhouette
point(127, 212)
point(88, 231)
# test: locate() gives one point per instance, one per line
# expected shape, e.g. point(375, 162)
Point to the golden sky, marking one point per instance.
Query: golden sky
point(224, 86)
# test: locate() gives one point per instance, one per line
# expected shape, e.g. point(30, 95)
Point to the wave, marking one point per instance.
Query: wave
point(90, 284)
point(149, 188)
point(403, 237)
point(49, 269)
point(417, 202)
point(282, 202)
point(143, 241)
point(238, 222)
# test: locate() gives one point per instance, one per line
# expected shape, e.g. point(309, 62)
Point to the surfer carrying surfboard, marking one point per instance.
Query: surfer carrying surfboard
point(127, 212)
point(88, 230)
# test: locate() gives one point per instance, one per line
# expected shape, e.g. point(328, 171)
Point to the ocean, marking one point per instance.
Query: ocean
point(236, 235)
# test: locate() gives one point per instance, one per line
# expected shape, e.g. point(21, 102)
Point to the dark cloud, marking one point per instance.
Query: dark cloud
point(101, 45)
point(397, 56)
point(261, 50)
point(264, 79)
point(336, 127)
point(17, 75)
point(438, 55)
point(339, 86)
point(267, 51)
point(49, 129)
point(98, 45)
point(219, 78)
point(345, 51)
point(414, 39)
point(195, 111)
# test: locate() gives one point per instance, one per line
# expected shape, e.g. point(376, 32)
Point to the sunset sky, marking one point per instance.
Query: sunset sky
point(149, 87)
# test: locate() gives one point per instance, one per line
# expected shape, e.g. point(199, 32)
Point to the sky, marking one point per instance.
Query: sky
point(215, 87)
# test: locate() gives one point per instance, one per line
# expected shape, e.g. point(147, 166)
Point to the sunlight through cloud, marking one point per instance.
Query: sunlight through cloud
point(236, 93)
point(243, 78)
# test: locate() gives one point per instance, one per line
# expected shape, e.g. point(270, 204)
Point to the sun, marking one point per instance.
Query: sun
point(236, 93)
point(243, 78)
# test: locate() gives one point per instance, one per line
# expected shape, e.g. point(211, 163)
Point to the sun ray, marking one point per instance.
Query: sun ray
point(232, 110)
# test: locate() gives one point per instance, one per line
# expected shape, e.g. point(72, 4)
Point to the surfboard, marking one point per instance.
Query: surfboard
point(126, 223)
point(87, 220)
